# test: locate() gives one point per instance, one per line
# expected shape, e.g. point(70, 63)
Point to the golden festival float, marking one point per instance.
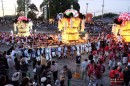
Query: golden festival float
point(22, 26)
point(70, 26)
point(122, 27)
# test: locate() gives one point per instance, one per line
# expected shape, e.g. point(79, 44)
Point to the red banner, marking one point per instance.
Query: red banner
point(89, 17)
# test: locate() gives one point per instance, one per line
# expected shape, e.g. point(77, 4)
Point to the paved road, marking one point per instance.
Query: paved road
point(70, 62)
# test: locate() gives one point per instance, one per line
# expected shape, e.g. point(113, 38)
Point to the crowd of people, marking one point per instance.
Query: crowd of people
point(104, 52)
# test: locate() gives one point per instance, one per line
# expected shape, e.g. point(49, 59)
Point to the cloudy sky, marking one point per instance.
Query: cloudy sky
point(94, 6)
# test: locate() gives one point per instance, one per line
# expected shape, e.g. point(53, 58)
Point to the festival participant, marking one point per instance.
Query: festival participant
point(53, 49)
point(93, 74)
point(82, 48)
point(59, 51)
point(26, 55)
point(83, 67)
point(48, 53)
point(13, 53)
point(98, 44)
point(112, 60)
point(65, 51)
point(89, 46)
point(125, 58)
point(72, 49)
point(126, 73)
point(106, 49)
point(101, 69)
point(38, 54)
point(117, 77)
point(10, 62)
point(68, 73)
point(54, 69)
point(77, 49)
point(86, 48)
point(93, 45)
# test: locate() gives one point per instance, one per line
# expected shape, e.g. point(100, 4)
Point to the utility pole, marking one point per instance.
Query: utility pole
point(26, 3)
point(86, 8)
point(128, 9)
point(49, 8)
point(102, 8)
point(15, 10)
point(2, 9)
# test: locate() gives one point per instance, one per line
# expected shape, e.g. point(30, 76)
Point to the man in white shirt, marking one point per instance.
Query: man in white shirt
point(59, 51)
point(10, 63)
point(83, 68)
point(48, 53)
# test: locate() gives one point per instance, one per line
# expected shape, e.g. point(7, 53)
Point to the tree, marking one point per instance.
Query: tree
point(33, 7)
point(32, 13)
point(21, 5)
point(58, 6)
point(21, 8)
point(106, 15)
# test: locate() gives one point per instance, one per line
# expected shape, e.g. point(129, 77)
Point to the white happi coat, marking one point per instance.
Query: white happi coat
point(13, 54)
point(90, 48)
point(48, 53)
point(82, 48)
point(98, 45)
point(124, 59)
point(53, 52)
point(65, 51)
point(42, 51)
point(78, 49)
point(59, 50)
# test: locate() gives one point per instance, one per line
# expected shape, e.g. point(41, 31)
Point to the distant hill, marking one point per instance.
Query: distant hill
point(106, 15)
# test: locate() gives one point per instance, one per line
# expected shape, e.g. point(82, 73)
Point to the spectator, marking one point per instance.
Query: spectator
point(17, 64)
point(126, 73)
point(38, 72)
point(24, 68)
point(69, 75)
point(54, 69)
point(83, 68)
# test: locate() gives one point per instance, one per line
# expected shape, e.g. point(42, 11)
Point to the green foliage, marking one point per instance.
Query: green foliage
point(21, 5)
point(58, 6)
point(31, 15)
point(106, 15)
point(33, 7)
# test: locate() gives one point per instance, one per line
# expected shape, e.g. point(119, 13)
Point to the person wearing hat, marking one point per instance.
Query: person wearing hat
point(15, 78)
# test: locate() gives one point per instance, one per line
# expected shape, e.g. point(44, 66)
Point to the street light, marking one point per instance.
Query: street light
point(86, 7)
